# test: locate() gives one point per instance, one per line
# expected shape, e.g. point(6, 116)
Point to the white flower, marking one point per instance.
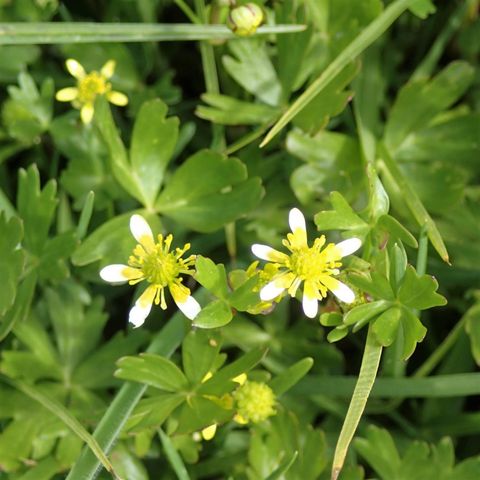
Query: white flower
point(314, 266)
point(160, 267)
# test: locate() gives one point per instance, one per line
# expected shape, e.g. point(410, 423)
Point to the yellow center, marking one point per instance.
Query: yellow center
point(92, 85)
point(159, 265)
point(311, 263)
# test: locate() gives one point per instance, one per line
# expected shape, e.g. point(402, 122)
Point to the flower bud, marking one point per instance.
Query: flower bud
point(245, 19)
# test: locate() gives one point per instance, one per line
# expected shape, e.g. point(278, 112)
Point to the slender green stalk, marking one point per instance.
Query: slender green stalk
point(371, 33)
point(79, 32)
point(363, 387)
point(173, 456)
point(66, 417)
point(109, 427)
point(189, 13)
point(414, 203)
point(325, 388)
point(426, 67)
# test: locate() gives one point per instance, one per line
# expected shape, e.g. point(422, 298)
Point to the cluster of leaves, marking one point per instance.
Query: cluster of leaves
point(386, 152)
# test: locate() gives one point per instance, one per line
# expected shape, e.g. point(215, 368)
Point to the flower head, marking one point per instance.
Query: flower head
point(89, 86)
point(314, 266)
point(245, 19)
point(160, 267)
point(255, 402)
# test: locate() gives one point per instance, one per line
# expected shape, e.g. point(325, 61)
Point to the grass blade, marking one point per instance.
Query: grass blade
point(351, 51)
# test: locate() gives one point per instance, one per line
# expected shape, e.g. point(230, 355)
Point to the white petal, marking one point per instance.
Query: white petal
point(75, 69)
point(138, 314)
point(270, 291)
point(296, 220)
point(108, 69)
point(347, 247)
point(86, 113)
point(190, 308)
point(265, 252)
point(114, 273)
point(344, 293)
point(310, 306)
point(141, 230)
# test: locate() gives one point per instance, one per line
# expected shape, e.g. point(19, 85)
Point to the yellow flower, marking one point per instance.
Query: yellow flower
point(245, 19)
point(89, 85)
point(314, 266)
point(160, 267)
point(255, 402)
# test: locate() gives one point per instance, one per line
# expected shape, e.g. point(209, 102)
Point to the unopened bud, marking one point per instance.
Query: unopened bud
point(245, 19)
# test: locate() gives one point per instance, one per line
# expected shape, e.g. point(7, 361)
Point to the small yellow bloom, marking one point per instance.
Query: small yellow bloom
point(245, 19)
point(160, 267)
point(89, 85)
point(255, 402)
point(314, 266)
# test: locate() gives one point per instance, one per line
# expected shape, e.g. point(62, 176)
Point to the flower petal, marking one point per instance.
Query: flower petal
point(75, 69)
point(117, 98)
point(67, 94)
point(349, 246)
point(271, 290)
point(310, 306)
point(209, 432)
point(189, 307)
point(343, 293)
point(108, 69)
point(86, 113)
point(141, 231)
point(265, 252)
point(142, 307)
point(118, 273)
point(296, 220)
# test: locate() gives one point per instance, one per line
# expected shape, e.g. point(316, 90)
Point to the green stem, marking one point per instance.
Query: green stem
point(414, 203)
point(189, 13)
point(363, 387)
point(111, 424)
point(362, 41)
point(48, 33)
point(427, 65)
point(435, 358)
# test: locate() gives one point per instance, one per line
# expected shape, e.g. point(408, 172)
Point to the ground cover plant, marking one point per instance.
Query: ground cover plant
point(239, 240)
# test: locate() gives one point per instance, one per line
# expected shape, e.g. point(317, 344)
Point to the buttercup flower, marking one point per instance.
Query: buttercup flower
point(160, 267)
point(245, 19)
point(89, 85)
point(314, 266)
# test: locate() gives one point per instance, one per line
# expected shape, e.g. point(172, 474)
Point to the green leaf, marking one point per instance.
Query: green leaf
point(365, 312)
point(216, 314)
point(283, 467)
point(472, 327)
point(153, 142)
point(66, 417)
point(342, 217)
point(173, 457)
point(12, 260)
point(218, 384)
point(199, 352)
point(420, 101)
point(419, 292)
point(337, 334)
point(209, 190)
point(154, 370)
point(292, 375)
point(385, 327)
point(359, 43)
point(211, 276)
point(226, 110)
point(153, 411)
point(423, 8)
point(253, 70)
point(36, 207)
point(245, 296)
point(413, 332)
point(117, 153)
point(331, 101)
point(21, 308)
point(376, 285)
point(397, 230)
